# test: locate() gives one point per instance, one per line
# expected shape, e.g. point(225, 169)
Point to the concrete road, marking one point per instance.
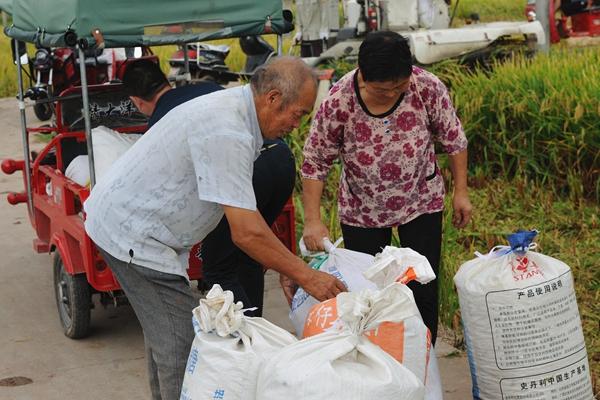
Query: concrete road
point(110, 363)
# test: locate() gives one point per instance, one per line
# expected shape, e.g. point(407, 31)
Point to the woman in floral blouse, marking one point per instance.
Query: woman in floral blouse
point(382, 121)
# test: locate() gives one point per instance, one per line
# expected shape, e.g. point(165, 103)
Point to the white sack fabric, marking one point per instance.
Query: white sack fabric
point(108, 146)
point(228, 350)
point(399, 264)
point(78, 170)
point(522, 326)
point(346, 265)
point(407, 340)
point(343, 363)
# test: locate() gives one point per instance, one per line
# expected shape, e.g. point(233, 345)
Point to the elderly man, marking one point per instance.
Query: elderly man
point(172, 188)
point(274, 175)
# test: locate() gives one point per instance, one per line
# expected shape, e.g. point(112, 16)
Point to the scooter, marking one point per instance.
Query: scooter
point(51, 71)
point(207, 62)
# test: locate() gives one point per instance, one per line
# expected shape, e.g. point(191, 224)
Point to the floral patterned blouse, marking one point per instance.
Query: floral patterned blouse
point(389, 175)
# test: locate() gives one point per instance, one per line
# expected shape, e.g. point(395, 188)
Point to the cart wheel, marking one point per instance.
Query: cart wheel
point(73, 299)
point(43, 112)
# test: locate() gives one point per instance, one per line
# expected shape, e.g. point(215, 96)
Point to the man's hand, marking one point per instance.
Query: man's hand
point(289, 288)
point(462, 209)
point(253, 236)
point(314, 233)
point(322, 286)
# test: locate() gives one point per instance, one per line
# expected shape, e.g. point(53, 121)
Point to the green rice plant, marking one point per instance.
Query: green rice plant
point(329, 214)
point(536, 118)
point(498, 10)
point(8, 70)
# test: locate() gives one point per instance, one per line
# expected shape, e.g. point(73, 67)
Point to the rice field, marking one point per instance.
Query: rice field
point(536, 119)
point(500, 10)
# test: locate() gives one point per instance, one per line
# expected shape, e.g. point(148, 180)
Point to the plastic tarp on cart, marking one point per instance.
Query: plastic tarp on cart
point(60, 23)
point(6, 6)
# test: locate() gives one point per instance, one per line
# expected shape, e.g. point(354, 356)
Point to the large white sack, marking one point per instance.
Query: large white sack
point(78, 170)
point(400, 331)
point(406, 339)
point(521, 324)
point(342, 363)
point(346, 265)
point(109, 146)
point(228, 349)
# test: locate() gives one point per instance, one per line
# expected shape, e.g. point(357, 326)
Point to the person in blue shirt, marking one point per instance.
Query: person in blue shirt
point(150, 91)
point(273, 180)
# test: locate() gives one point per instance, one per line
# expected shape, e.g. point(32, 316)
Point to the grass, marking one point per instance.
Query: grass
point(498, 10)
point(8, 74)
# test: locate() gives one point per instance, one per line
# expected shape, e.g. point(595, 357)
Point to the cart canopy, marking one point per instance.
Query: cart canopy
point(6, 6)
point(126, 23)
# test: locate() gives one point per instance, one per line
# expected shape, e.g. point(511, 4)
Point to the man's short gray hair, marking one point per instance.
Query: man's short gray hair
point(287, 74)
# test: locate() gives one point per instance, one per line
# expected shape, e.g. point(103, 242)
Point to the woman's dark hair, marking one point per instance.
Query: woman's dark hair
point(143, 79)
point(384, 56)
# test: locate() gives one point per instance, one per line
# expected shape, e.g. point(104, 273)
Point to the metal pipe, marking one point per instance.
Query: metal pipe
point(279, 45)
point(186, 62)
point(86, 115)
point(542, 14)
point(24, 134)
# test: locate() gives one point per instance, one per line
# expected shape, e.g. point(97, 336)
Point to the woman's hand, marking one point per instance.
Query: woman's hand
point(462, 209)
point(314, 233)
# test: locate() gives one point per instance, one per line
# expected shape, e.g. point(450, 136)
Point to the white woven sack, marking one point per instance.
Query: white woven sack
point(342, 364)
point(399, 264)
point(522, 327)
point(346, 265)
point(228, 350)
point(412, 347)
point(109, 145)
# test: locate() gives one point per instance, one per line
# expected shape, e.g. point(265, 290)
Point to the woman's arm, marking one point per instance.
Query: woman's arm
point(460, 201)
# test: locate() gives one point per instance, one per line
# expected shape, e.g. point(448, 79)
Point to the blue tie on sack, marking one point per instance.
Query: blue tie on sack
point(521, 240)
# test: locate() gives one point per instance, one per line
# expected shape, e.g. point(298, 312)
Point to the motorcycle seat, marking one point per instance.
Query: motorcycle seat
point(92, 62)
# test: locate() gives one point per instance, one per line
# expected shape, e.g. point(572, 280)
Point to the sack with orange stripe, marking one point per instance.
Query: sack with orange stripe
point(400, 329)
point(343, 363)
point(346, 265)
